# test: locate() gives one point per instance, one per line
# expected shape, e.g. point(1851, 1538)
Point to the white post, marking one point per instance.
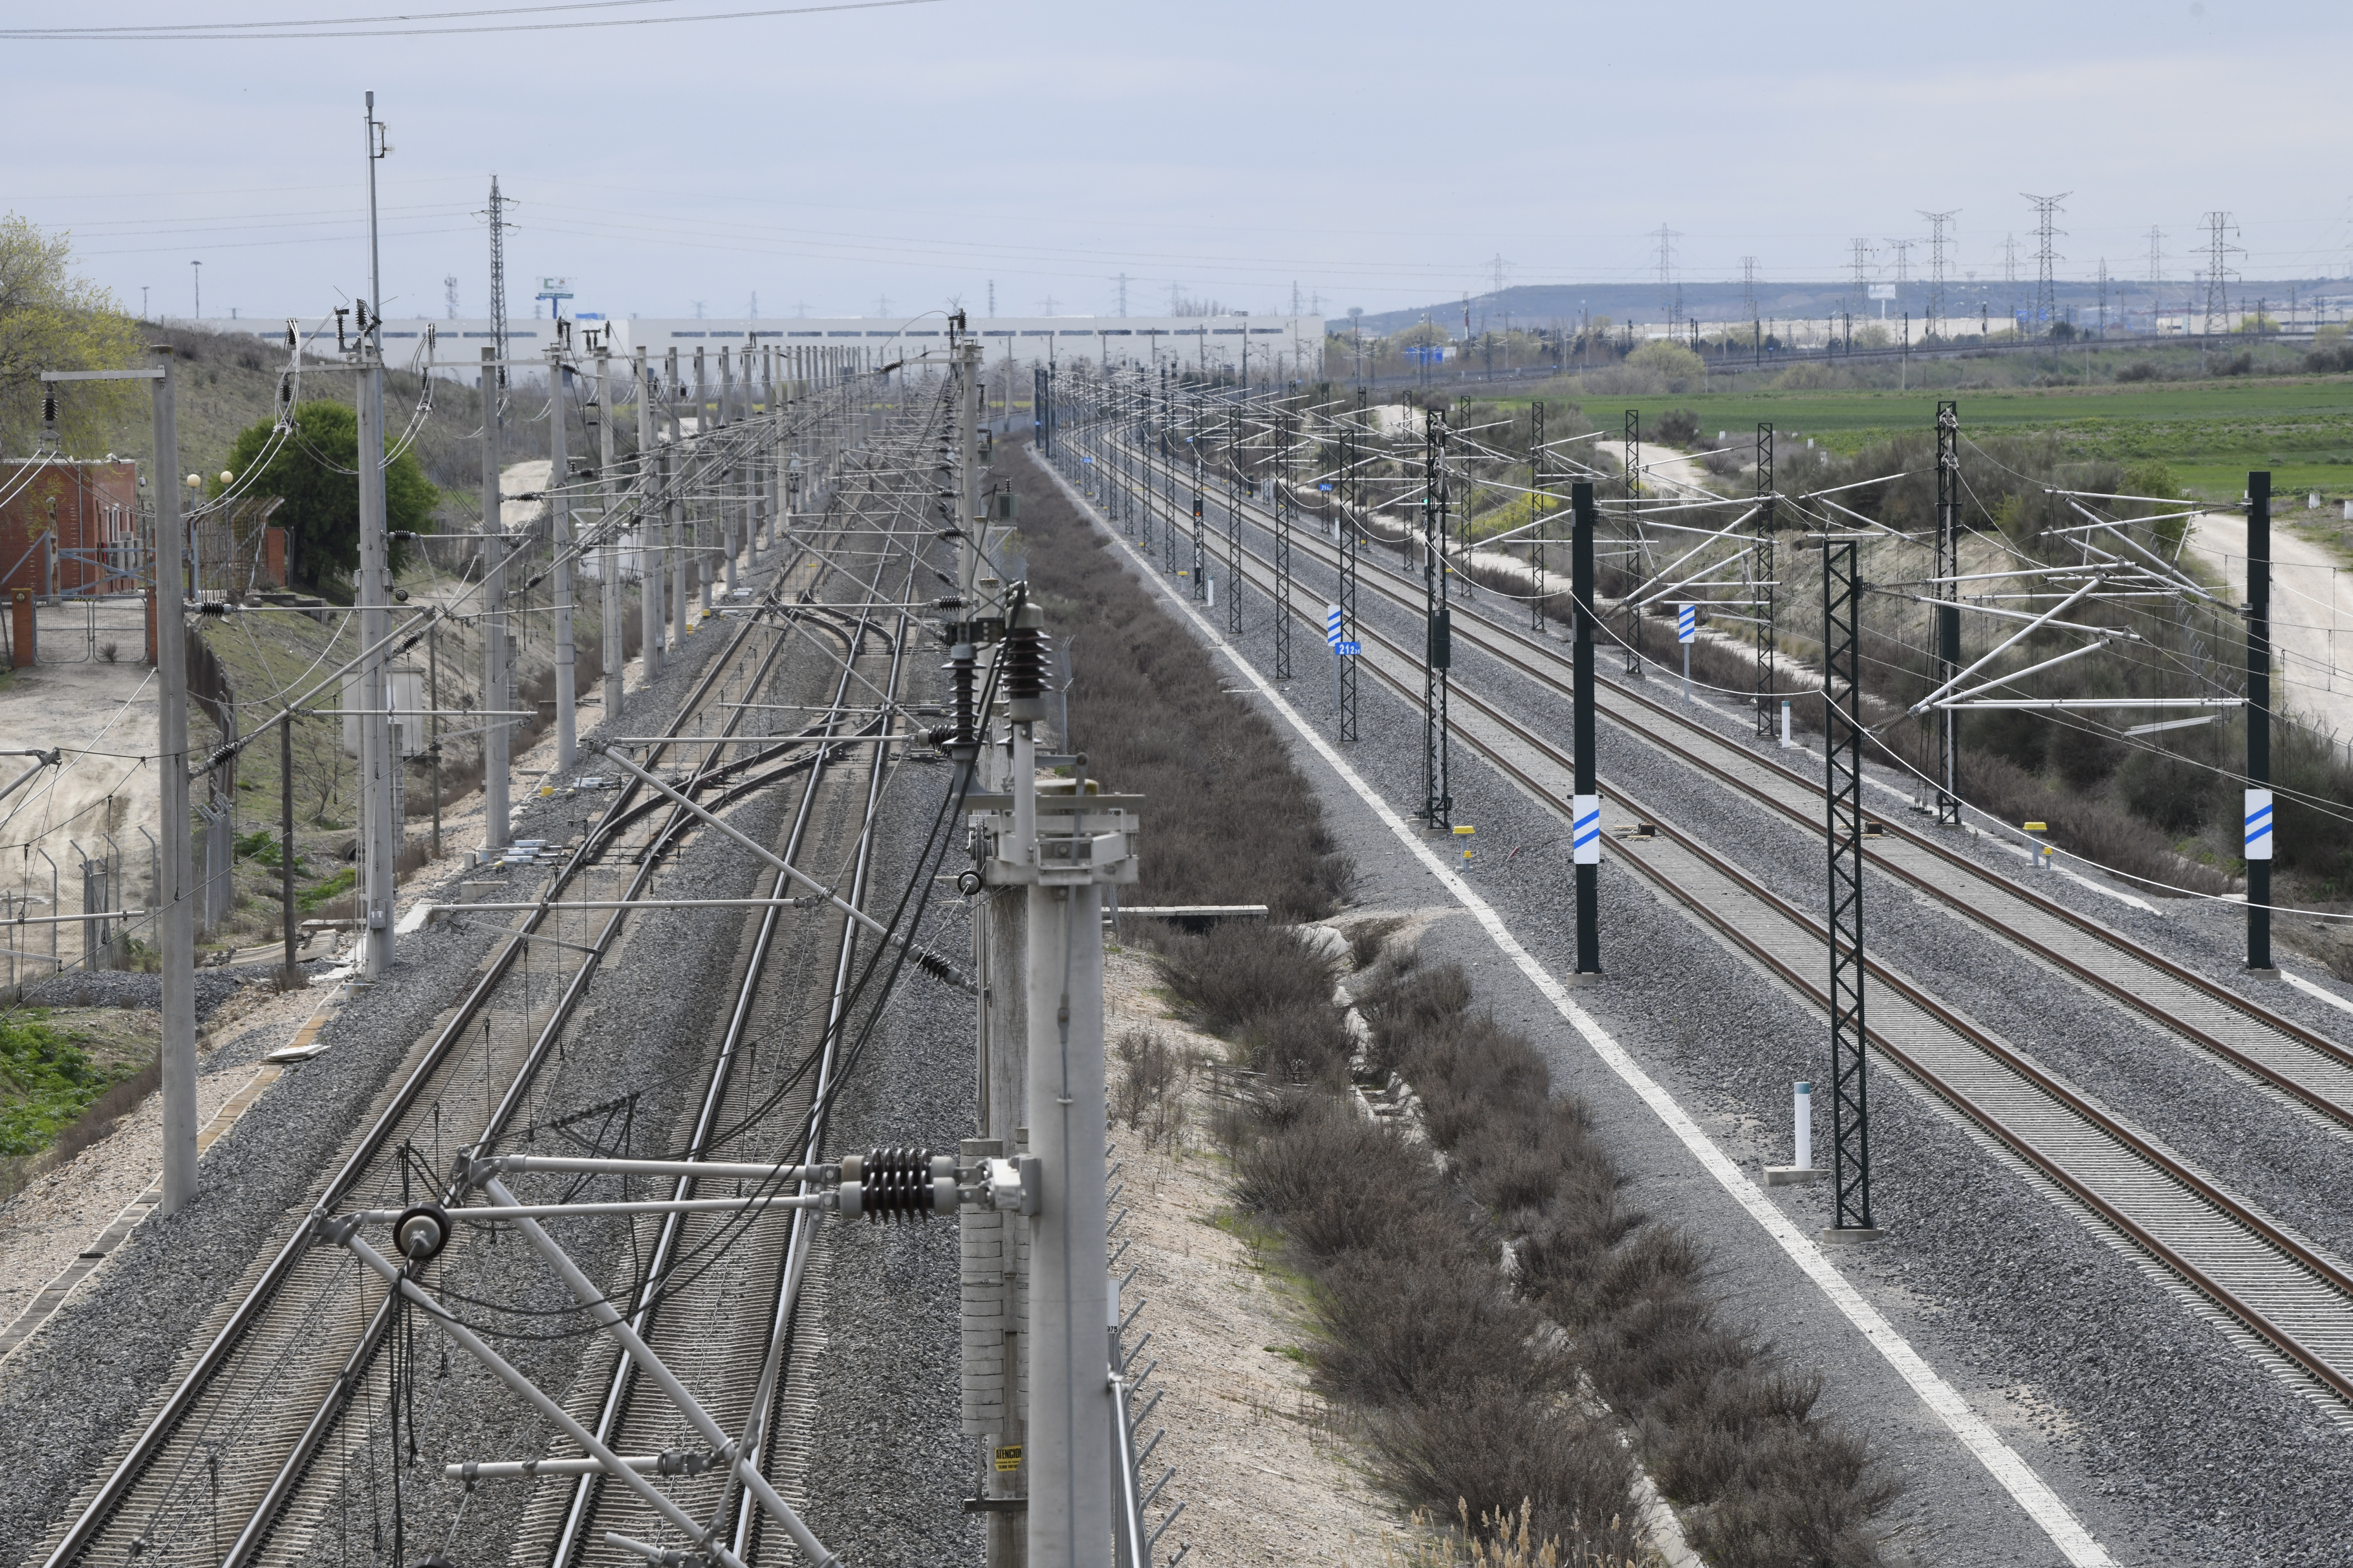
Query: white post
point(1805, 1122)
point(175, 885)
point(1786, 740)
point(494, 621)
point(559, 514)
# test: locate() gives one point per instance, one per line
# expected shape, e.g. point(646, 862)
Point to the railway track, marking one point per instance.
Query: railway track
point(2283, 1289)
point(228, 1464)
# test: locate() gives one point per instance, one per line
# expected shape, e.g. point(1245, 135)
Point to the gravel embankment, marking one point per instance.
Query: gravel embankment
point(2170, 1440)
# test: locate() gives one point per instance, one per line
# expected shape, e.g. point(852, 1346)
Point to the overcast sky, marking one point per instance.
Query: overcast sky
point(1374, 153)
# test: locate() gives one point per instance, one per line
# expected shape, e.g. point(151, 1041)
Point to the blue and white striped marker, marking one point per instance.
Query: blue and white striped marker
point(1687, 623)
point(1585, 830)
point(2259, 825)
point(1332, 625)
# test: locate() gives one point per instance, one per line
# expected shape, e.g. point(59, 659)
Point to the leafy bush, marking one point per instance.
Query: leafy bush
point(1676, 428)
point(45, 1081)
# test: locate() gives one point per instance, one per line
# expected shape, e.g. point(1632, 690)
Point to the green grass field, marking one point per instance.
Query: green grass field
point(2210, 432)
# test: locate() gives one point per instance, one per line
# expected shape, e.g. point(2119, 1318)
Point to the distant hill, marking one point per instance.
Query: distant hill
point(1709, 300)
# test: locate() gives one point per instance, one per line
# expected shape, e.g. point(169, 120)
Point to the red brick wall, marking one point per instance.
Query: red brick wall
point(84, 499)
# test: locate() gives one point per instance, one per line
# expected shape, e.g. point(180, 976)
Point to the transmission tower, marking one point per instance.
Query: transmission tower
point(2218, 270)
point(449, 294)
point(2046, 294)
point(499, 278)
point(1123, 297)
point(1902, 249)
point(1748, 304)
point(2009, 276)
point(1667, 238)
point(1936, 273)
point(1861, 271)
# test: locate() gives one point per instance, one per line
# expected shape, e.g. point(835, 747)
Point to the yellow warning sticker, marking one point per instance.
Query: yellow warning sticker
point(1009, 1457)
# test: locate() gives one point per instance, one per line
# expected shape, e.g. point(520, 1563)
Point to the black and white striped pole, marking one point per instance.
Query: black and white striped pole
point(2258, 812)
point(1585, 802)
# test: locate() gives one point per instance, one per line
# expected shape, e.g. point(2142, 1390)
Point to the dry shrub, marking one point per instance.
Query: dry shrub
point(1492, 1448)
point(1270, 989)
point(1232, 822)
point(1366, 939)
point(1148, 1095)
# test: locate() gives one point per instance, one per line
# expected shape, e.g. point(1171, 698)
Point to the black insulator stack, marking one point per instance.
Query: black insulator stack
point(1024, 663)
point(897, 1183)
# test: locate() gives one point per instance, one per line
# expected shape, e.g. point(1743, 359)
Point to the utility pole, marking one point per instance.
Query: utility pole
point(609, 554)
point(1948, 609)
point(1843, 806)
point(2260, 837)
point(2156, 273)
point(379, 758)
point(1765, 587)
point(702, 526)
point(559, 515)
point(1538, 500)
point(1584, 801)
point(2046, 294)
point(1342, 491)
point(175, 884)
point(495, 731)
point(649, 526)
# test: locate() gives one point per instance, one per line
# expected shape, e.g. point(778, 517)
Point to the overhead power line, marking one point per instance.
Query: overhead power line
point(362, 27)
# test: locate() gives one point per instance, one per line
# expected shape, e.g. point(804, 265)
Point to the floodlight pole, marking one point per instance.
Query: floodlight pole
point(2260, 836)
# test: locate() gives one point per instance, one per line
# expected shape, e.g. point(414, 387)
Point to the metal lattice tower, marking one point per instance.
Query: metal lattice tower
point(2046, 289)
point(2156, 271)
point(1936, 268)
point(1667, 238)
point(2009, 276)
point(1233, 523)
point(1168, 471)
point(1948, 611)
point(1748, 303)
point(1764, 579)
point(1633, 568)
point(1842, 764)
point(1902, 249)
point(1536, 499)
point(1200, 523)
point(1438, 653)
point(1861, 264)
point(1347, 488)
point(2218, 271)
point(1285, 504)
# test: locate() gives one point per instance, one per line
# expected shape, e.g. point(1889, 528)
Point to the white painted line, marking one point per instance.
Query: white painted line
point(2310, 989)
point(2016, 1477)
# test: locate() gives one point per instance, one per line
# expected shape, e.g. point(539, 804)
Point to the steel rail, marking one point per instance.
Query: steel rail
point(2194, 1187)
point(578, 1528)
point(1505, 645)
point(149, 1445)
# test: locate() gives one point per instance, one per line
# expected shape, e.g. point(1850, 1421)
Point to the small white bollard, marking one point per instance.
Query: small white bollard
point(1210, 592)
point(1785, 742)
point(1803, 1170)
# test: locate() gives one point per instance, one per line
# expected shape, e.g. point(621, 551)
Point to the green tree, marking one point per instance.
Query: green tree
point(52, 320)
point(315, 470)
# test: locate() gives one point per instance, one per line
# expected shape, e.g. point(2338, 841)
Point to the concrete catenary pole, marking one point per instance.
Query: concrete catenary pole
point(648, 531)
point(559, 520)
point(703, 532)
point(378, 755)
point(175, 887)
point(676, 531)
point(609, 554)
point(494, 621)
